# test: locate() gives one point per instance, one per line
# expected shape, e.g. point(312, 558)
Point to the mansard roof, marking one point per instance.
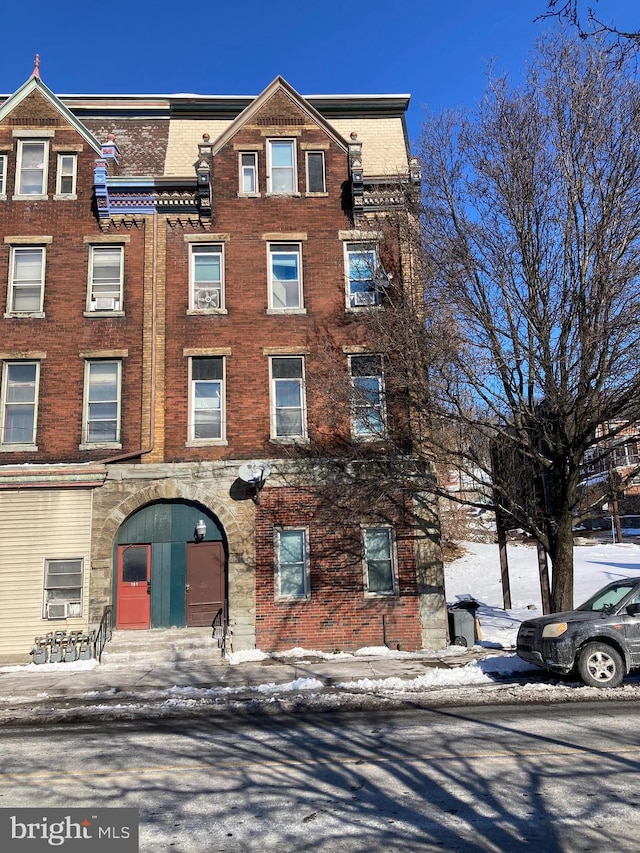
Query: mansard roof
point(158, 134)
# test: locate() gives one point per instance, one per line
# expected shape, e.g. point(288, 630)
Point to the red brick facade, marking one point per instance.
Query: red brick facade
point(156, 333)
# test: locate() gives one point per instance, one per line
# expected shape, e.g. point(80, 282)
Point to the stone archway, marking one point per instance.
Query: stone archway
point(126, 491)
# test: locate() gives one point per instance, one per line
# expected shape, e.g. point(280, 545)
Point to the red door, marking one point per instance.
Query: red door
point(133, 602)
point(205, 582)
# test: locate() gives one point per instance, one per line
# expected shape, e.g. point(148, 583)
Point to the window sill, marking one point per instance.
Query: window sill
point(273, 312)
point(369, 438)
point(34, 197)
point(207, 442)
point(103, 313)
point(249, 195)
point(3, 196)
point(65, 197)
point(357, 309)
point(292, 599)
point(100, 445)
point(21, 315)
point(282, 195)
point(193, 312)
point(316, 195)
point(18, 448)
point(293, 439)
point(372, 596)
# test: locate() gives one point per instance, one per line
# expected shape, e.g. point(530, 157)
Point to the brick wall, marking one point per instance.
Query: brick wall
point(336, 615)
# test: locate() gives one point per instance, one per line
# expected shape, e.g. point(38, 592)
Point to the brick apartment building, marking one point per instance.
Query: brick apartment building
point(178, 269)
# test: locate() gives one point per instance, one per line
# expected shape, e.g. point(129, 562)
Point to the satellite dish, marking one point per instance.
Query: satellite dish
point(254, 472)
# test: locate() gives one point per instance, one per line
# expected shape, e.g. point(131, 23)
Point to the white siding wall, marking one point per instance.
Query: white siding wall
point(36, 525)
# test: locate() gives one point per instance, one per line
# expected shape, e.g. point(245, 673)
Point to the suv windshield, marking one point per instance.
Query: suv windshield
point(607, 598)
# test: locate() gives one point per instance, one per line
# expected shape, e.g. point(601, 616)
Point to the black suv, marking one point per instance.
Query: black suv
point(600, 639)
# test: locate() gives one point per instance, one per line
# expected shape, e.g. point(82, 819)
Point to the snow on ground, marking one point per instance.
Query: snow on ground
point(476, 575)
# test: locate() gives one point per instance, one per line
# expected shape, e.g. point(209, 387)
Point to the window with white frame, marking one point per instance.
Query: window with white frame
point(368, 409)
point(102, 402)
point(361, 266)
point(19, 402)
point(291, 563)
point(315, 172)
point(285, 276)
point(248, 172)
point(3, 175)
point(206, 404)
point(63, 581)
point(105, 278)
point(288, 416)
point(31, 172)
point(26, 280)
point(206, 276)
point(379, 561)
point(66, 174)
point(282, 166)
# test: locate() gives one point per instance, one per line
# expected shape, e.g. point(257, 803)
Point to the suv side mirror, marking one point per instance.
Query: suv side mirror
point(633, 609)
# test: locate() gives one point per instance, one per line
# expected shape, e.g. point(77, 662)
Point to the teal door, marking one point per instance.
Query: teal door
point(168, 527)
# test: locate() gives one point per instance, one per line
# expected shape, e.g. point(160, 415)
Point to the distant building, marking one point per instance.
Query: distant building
point(176, 268)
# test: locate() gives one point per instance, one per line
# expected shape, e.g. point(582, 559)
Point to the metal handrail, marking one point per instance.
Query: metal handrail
point(104, 632)
point(220, 626)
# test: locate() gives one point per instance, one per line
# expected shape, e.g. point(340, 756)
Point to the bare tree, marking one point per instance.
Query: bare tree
point(589, 21)
point(531, 235)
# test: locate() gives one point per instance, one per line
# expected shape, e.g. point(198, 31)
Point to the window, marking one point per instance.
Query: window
point(31, 173)
point(206, 406)
point(63, 588)
point(26, 283)
point(285, 281)
point(206, 266)
point(66, 175)
point(282, 166)
point(3, 175)
point(315, 172)
point(105, 278)
point(19, 402)
point(287, 395)
point(291, 563)
point(378, 552)
point(248, 172)
point(368, 414)
point(361, 276)
point(102, 403)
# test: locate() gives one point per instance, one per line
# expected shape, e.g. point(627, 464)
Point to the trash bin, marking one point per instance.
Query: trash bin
point(463, 630)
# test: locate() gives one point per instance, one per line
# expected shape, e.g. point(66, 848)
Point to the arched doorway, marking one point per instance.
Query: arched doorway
point(165, 574)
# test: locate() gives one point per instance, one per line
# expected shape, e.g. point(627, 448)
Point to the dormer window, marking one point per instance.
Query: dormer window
point(248, 172)
point(66, 175)
point(282, 166)
point(31, 172)
point(315, 172)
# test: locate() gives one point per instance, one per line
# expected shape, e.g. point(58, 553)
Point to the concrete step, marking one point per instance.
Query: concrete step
point(161, 644)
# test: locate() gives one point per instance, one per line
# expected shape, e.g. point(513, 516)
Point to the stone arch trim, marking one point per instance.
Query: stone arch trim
point(155, 492)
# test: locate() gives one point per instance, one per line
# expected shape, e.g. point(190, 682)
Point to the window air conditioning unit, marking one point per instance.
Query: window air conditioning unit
point(208, 299)
point(106, 303)
point(367, 297)
point(57, 610)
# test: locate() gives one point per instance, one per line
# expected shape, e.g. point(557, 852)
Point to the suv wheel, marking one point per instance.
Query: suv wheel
point(600, 665)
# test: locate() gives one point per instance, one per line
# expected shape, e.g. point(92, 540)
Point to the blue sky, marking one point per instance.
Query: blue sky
point(435, 50)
